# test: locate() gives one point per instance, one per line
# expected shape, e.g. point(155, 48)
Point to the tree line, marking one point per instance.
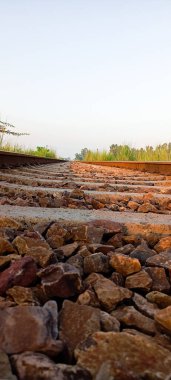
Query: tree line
point(161, 152)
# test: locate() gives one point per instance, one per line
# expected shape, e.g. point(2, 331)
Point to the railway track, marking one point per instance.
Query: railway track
point(9, 159)
point(94, 243)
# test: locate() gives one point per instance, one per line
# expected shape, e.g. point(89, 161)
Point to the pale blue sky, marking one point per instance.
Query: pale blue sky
point(86, 73)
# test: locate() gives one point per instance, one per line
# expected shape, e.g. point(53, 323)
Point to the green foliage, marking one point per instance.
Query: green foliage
point(127, 153)
point(98, 156)
point(44, 151)
point(40, 151)
point(80, 156)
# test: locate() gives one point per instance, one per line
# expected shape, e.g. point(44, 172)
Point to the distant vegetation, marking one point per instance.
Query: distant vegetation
point(81, 156)
point(127, 153)
point(8, 129)
point(41, 151)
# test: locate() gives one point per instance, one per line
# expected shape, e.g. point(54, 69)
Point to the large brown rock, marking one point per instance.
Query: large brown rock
point(6, 247)
point(94, 248)
point(36, 247)
point(142, 253)
point(163, 244)
point(6, 260)
point(145, 307)
point(147, 207)
point(125, 250)
point(160, 281)
point(76, 323)
point(163, 318)
point(124, 356)
point(30, 328)
point(161, 299)
point(36, 366)
point(124, 264)
point(67, 250)
point(56, 235)
point(163, 260)
point(42, 256)
point(60, 280)
point(133, 205)
point(140, 280)
point(28, 241)
point(7, 233)
point(89, 234)
point(110, 227)
point(5, 368)
point(97, 262)
point(55, 241)
point(22, 296)
point(131, 317)
point(22, 272)
point(77, 261)
point(109, 294)
point(9, 223)
point(116, 240)
point(77, 194)
point(161, 339)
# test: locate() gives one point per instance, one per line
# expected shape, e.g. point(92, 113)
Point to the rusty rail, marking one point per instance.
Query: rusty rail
point(9, 159)
point(160, 167)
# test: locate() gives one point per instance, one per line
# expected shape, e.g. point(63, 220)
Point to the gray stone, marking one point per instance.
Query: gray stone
point(30, 328)
point(5, 368)
point(36, 366)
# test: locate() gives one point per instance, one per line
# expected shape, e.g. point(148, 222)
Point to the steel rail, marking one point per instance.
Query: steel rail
point(160, 167)
point(9, 159)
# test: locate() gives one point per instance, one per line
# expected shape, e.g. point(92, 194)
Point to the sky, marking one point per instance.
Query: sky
point(86, 73)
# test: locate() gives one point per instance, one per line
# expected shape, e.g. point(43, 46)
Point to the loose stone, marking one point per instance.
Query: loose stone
point(131, 317)
point(5, 367)
point(160, 281)
point(161, 260)
point(37, 366)
point(163, 244)
point(36, 329)
point(109, 295)
point(60, 280)
point(145, 307)
point(97, 262)
point(163, 318)
point(140, 281)
point(144, 358)
point(23, 272)
point(6, 247)
point(161, 299)
point(124, 264)
point(76, 323)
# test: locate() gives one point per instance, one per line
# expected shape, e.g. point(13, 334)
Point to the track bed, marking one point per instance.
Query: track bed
point(85, 273)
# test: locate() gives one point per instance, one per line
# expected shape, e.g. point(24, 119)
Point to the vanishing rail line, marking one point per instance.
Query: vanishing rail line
point(95, 242)
point(9, 159)
point(144, 166)
point(86, 191)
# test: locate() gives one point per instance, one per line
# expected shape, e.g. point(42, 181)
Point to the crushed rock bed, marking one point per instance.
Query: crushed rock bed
point(38, 197)
point(76, 299)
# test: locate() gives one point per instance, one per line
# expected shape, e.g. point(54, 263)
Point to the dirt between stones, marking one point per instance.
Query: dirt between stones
point(88, 299)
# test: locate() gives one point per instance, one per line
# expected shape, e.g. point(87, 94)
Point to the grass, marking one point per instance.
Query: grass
point(40, 151)
point(126, 153)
